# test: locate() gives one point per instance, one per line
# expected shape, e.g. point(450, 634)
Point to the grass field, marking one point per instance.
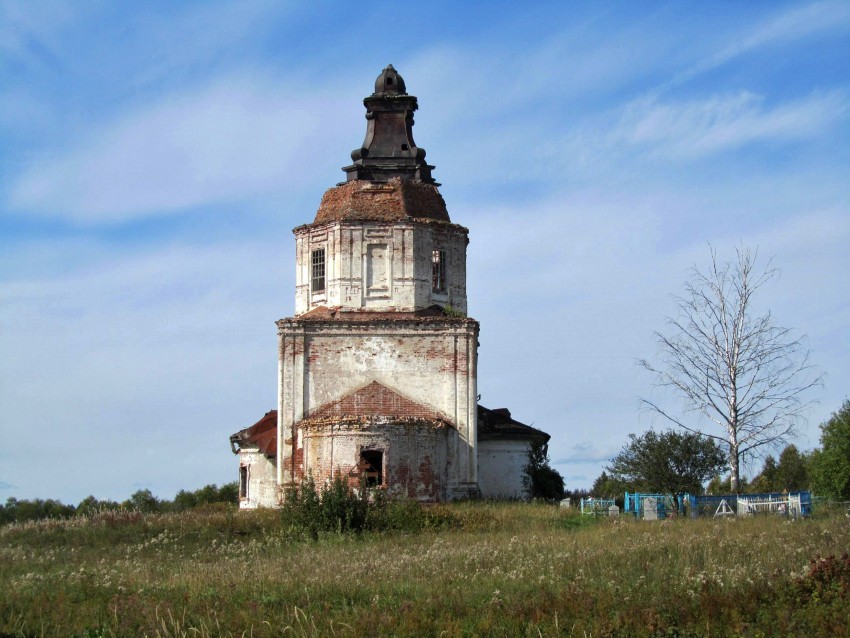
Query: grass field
point(490, 570)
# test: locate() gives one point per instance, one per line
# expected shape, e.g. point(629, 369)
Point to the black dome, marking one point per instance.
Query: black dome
point(390, 82)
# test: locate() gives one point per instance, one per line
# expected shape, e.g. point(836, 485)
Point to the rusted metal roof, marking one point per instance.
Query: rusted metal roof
point(498, 424)
point(263, 434)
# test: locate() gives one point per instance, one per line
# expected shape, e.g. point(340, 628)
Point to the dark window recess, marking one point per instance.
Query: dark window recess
point(243, 481)
point(438, 271)
point(372, 464)
point(317, 262)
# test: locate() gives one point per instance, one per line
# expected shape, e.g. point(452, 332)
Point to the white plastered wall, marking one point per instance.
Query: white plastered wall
point(500, 468)
point(262, 479)
point(380, 266)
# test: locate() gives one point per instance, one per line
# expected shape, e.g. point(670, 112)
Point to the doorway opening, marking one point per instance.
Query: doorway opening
point(372, 462)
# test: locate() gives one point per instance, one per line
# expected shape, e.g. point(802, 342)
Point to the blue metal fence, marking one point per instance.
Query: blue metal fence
point(708, 505)
point(751, 503)
point(666, 503)
point(596, 506)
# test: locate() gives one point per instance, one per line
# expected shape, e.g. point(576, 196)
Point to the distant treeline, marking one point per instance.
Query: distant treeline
point(143, 501)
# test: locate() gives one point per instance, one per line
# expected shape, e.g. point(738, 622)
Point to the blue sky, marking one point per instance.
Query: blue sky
point(154, 158)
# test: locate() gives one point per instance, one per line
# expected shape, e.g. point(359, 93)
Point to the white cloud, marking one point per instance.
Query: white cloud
point(567, 65)
point(233, 141)
point(110, 363)
point(811, 253)
point(801, 21)
point(236, 139)
point(586, 452)
point(195, 37)
point(570, 291)
point(135, 351)
point(690, 129)
point(150, 359)
point(28, 30)
point(798, 22)
point(22, 114)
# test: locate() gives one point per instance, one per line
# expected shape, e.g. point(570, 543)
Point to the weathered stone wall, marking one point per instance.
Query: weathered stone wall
point(262, 479)
point(414, 454)
point(500, 468)
point(431, 362)
point(381, 266)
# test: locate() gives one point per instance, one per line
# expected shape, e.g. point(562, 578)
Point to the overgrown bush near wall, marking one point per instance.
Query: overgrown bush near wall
point(335, 508)
point(541, 480)
point(340, 508)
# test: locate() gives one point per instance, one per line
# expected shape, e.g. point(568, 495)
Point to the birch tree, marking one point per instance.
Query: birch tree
point(742, 379)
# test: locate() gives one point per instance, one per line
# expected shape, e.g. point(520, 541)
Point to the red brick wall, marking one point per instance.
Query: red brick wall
point(375, 400)
point(414, 455)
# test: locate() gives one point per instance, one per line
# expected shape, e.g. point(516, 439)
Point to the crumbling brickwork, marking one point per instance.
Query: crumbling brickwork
point(377, 369)
point(391, 201)
point(413, 453)
point(376, 399)
point(427, 369)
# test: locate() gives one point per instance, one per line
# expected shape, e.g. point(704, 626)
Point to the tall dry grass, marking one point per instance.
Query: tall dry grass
point(510, 569)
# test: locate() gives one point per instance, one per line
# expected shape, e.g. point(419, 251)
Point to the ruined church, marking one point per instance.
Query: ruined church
point(377, 369)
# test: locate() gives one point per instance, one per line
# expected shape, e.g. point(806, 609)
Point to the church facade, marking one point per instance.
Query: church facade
point(377, 369)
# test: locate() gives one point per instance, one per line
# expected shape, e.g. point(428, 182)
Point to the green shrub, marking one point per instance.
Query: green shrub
point(19, 511)
point(542, 481)
point(343, 509)
point(339, 508)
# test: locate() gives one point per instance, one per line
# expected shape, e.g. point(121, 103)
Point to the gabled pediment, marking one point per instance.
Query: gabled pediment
point(376, 401)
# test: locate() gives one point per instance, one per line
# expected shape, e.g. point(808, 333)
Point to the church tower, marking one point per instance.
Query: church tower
point(377, 369)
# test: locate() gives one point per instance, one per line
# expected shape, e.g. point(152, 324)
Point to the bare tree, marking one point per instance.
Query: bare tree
point(738, 371)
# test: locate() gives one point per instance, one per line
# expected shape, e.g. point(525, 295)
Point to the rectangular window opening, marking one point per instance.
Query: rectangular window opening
point(243, 481)
point(372, 464)
point(438, 271)
point(317, 261)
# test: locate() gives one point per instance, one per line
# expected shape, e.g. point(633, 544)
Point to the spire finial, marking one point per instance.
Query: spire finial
point(389, 82)
point(389, 150)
